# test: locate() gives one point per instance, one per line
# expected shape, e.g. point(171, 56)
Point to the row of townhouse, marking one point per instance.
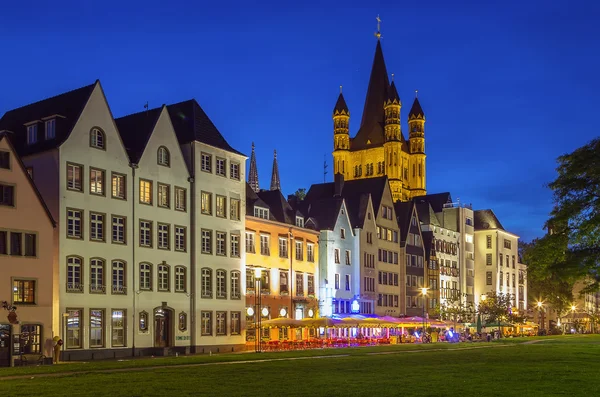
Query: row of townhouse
point(150, 208)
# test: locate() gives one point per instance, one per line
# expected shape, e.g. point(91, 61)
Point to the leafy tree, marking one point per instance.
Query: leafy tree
point(495, 307)
point(576, 215)
point(456, 309)
point(300, 193)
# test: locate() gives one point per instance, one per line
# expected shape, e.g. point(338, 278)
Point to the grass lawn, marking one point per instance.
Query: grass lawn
point(554, 366)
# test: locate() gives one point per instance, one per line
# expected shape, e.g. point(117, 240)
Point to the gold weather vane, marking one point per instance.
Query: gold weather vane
point(416, 93)
point(378, 34)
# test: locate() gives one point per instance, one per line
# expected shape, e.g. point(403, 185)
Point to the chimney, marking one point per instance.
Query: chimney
point(339, 185)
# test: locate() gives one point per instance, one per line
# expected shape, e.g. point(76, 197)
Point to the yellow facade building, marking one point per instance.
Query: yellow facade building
point(379, 147)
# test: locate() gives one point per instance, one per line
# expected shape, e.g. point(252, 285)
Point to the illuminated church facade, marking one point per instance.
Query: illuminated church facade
point(379, 148)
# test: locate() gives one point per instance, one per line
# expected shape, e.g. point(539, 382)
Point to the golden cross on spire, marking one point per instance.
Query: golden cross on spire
point(416, 93)
point(378, 34)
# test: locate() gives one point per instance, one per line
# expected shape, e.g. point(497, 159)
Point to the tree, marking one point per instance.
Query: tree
point(457, 310)
point(300, 194)
point(576, 215)
point(495, 307)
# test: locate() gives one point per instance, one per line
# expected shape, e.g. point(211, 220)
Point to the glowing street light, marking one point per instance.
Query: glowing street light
point(258, 313)
point(424, 293)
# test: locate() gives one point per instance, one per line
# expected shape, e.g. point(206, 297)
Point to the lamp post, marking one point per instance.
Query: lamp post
point(258, 311)
point(292, 251)
point(573, 307)
point(540, 315)
point(424, 293)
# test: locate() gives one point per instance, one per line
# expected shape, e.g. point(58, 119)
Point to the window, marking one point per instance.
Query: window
point(143, 322)
point(97, 276)
point(96, 181)
point(234, 209)
point(32, 135)
point(299, 284)
point(283, 247)
point(347, 282)
point(513, 281)
point(96, 328)
point(469, 238)
point(7, 195)
point(145, 233)
point(261, 212)
point(488, 259)
point(163, 236)
point(336, 254)
point(206, 241)
point(180, 279)
point(118, 319)
point(30, 244)
point(118, 278)
point(234, 170)
point(299, 221)
point(310, 285)
point(488, 242)
point(310, 252)
point(180, 199)
point(74, 274)
point(264, 245)
point(337, 281)
point(513, 261)
point(30, 339)
point(206, 282)
point(235, 245)
point(205, 323)
point(250, 243)
point(4, 160)
point(3, 243)
point(299, 251)
point(488, 278)
point(97, 139)
point(163, 195)
point(221, 323)
point(507, 244)
point(145, 192)
point(343, 233)
point(146, 276)
point(118, 229)
point(96, 226)
point(163, 156)
point(24, 291)
point(206, 162)
point(180, 240)
point(235, 285)
point(206, 203)
point(118, 186)
point(283, 282)
point(163, 277)
point(50, 129)
point(348, 262)
point(75, 177)
point(182, 323)
point(221, 284)
point(221, 206)
point(235, 323)
point(73, 329)
point(221, 166)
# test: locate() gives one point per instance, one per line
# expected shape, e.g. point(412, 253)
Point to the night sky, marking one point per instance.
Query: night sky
point(506, 88)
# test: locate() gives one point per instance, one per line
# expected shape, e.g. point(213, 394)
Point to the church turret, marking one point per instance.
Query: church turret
point(275, 183)
point(393, 140)
point(341, 135)
point(416, 126)
point(253, 174)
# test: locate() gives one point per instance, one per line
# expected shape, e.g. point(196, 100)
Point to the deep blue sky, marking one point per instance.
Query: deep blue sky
point(506, 87)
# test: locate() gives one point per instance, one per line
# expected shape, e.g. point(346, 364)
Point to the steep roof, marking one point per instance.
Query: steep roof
point(427, 243)
point(253, 174)
point(393, 93)
point(192, 124)
point(325, 212)
point(252, 200)
point(486, 219)
point(135, 131)
point(403, 215)
point(4, 136)
point(426, 214)
point(371, 131)
point(340, 105)
point(436, 200)
point(278, 206)
point(275, 181)
point(416, 111)
point(67, 107)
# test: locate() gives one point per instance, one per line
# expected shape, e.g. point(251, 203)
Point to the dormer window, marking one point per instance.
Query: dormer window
point(260, 212)
point(50, 129)
point(31, 134)
point(299, 221)
point(164, 158)
point(97, 139)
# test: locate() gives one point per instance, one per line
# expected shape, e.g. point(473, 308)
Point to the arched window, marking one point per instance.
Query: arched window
point(118, 277)
point(97, 139)
point(222, 284)
point(164, 158)
point(182, 321)
point(206, 283)
point(74, 274)
point(146, 276)
point(143, 322)
point(235, 285)
point(97, 275)
point(180, 279)
point(163, 277)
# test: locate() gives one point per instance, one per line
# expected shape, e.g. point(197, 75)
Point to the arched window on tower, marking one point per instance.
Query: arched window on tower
point(395, 159)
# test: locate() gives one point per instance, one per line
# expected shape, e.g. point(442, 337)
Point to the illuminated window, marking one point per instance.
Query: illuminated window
point(96, 181)
point(145, 192)
point(118, 319)
point(24, 291)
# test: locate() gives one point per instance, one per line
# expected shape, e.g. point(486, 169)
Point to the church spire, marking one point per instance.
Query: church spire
point(377, 90)
point(253, 175)
point(275, 183)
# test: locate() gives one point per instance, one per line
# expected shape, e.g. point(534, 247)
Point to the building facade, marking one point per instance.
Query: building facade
point(380, 148)
point(26, 247)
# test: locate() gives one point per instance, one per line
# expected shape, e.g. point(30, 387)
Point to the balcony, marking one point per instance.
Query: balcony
point(97, 289)
point(74, 287)
point(119, 290)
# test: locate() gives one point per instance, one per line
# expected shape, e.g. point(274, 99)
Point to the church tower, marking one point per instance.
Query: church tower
point(341, 136)
point(416, 125)
point(393, 141)
point(275, 183)
point(253, 174)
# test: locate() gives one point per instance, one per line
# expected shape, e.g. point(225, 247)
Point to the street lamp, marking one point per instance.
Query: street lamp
point(257, 311)
point(540, 315)
point(573, 307)
point(424, 293)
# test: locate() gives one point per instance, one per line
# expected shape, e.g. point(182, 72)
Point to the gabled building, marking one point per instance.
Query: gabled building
point(285, 251)
point(413, 260)
point(26, 260)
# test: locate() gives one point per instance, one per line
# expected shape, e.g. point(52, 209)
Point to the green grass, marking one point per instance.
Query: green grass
point(554, 366)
